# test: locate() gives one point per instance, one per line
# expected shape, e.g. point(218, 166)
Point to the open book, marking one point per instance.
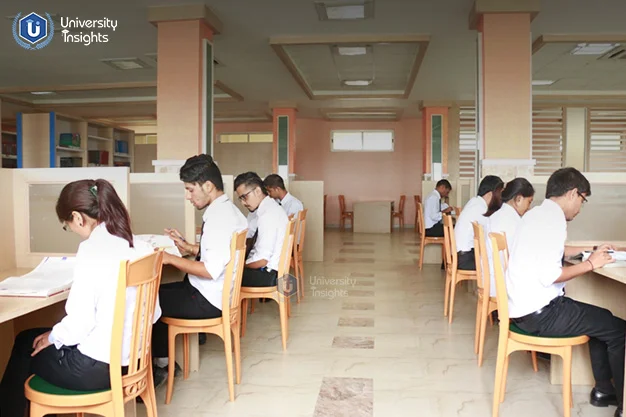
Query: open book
point(52, 276)
point(618, 256)
point(160, 242)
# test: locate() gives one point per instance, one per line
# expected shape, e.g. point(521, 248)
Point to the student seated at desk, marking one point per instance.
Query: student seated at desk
point(536, 279)
point(275, 187)
point(75, 353)
point(199, 295)
point(433, 209)
point(489, 187)
point(505, 215)
point(262, 262)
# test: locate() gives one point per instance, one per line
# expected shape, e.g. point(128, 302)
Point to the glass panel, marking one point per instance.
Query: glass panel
point(46, 232)
point(436, 135)
point(378, 140)
point(155, 207)
point(233, 137)
point(283, 140)
point(262, 137)
point(347, 141)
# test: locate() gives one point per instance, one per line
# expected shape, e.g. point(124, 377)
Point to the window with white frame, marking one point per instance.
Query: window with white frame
point(262, 137)
point(467, 142)
point(361, 140)
point(548, 137)
point(607, 133)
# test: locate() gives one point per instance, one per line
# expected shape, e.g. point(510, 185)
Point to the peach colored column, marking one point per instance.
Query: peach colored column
point(287, 116)
point(180, 88)
point(427, 113)
point(505, 90)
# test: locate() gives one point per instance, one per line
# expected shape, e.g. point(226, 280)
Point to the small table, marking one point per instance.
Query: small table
point(372, 216)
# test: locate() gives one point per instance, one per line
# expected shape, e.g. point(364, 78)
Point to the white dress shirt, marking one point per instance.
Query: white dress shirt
point(221, 219)
point(506, 220)
point(535, 261)
point(473, 211)
point(432, 209)
point(291, 205)
point(252, 220)
point(91, 303)
point(272, 223)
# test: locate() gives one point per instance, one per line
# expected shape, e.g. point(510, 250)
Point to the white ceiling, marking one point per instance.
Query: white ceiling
point(252, 68)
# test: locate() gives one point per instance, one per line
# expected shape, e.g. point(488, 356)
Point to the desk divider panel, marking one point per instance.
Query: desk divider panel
point(7, 222)
point(311, 193)
point(38, 232)
point(600, 219)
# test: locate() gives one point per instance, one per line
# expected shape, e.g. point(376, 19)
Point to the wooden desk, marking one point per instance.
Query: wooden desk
point(372, 216)
point(604, 287)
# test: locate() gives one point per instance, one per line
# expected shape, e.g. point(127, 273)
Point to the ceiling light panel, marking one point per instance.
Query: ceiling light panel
point(125, 63)
point(593, 48)
point(345, 10)
point(542, 82)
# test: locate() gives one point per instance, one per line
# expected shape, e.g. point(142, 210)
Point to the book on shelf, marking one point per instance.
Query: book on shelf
point(52, 276)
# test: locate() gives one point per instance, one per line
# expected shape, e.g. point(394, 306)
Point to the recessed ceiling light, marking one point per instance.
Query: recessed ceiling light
point(351, 50)
point(125, 63)
point(345, 10)
point(42, 93)
point(543, 82)
point(593, 48)
point(357, 83)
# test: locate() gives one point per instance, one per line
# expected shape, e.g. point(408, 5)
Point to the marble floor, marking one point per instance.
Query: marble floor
point(368, 339)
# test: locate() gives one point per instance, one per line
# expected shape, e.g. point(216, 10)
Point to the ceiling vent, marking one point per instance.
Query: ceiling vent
point(615, 54)
point(344, 10)
point(125, 63)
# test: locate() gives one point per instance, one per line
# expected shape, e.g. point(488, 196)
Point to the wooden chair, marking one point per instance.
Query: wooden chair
point(143, 276)
point(272, 292)
point(226, 327)
point(399, 214)
point(297, 262)
point(418, 200)
point(426, 240)
point(343, 214)
point(485, 304)
point(512, 338)
point(453, 274)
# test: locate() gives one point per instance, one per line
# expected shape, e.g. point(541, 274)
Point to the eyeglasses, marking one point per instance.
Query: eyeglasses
point(583, 197)
point(245, 196)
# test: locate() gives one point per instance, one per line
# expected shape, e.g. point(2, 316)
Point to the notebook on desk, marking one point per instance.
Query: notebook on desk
point(160, 242)
point(52, 276)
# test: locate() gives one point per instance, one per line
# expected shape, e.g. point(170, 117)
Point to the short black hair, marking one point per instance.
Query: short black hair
point(566, 179)
point(489, 184)
point(274, 181)
point(444, 183)
point(200, 169)
point(250, 179)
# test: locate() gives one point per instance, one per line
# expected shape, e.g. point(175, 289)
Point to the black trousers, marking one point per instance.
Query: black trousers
point(179, 300)
point(567, 317)
point(435, 231)
point(258, 278)
point(466, 260)
point(66, 368)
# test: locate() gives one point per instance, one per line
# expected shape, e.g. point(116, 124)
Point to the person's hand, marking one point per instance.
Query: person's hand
point(447, 210)
point(167, 258)
point(40, 343)
point(601, 257)
point(183, 246)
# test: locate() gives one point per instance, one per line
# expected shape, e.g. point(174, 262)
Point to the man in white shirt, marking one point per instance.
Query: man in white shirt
point(536, 279)
point(275, 187)
point(433, 209)
point(262, 263)
point(474, 211)
point(199, 295)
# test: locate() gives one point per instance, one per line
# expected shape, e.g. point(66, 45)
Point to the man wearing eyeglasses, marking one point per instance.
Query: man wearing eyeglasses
point(536, 278)
point(271, 222)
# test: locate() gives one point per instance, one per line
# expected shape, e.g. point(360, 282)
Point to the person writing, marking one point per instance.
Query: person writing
point(433, 209)
point(75, 353)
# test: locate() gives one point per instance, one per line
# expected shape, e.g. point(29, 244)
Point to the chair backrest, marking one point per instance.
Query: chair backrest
point(144, 275)
point(482, 260)
point(300, 231)
point(457, 211)
point(402, 201)
point(233, 275)
point(449, 242)
point(286, 251)
point(342, 203)
point(417, 199)
point(498, 245)
point(420, 220)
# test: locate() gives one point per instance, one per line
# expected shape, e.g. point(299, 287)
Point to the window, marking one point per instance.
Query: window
point(605, 142)
point(547, 143)
point(467, 142)
point(246, 137)
point(361, 140)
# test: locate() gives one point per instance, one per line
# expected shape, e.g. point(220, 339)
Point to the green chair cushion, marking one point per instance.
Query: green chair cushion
point(513, 327)
point(40, 385)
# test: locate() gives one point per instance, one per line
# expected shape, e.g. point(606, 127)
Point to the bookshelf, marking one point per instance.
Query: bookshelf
point(123, 148)
point(99, 145)
point(9, 149)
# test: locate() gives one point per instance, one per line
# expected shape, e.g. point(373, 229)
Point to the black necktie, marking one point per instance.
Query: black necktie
point(198, 256)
